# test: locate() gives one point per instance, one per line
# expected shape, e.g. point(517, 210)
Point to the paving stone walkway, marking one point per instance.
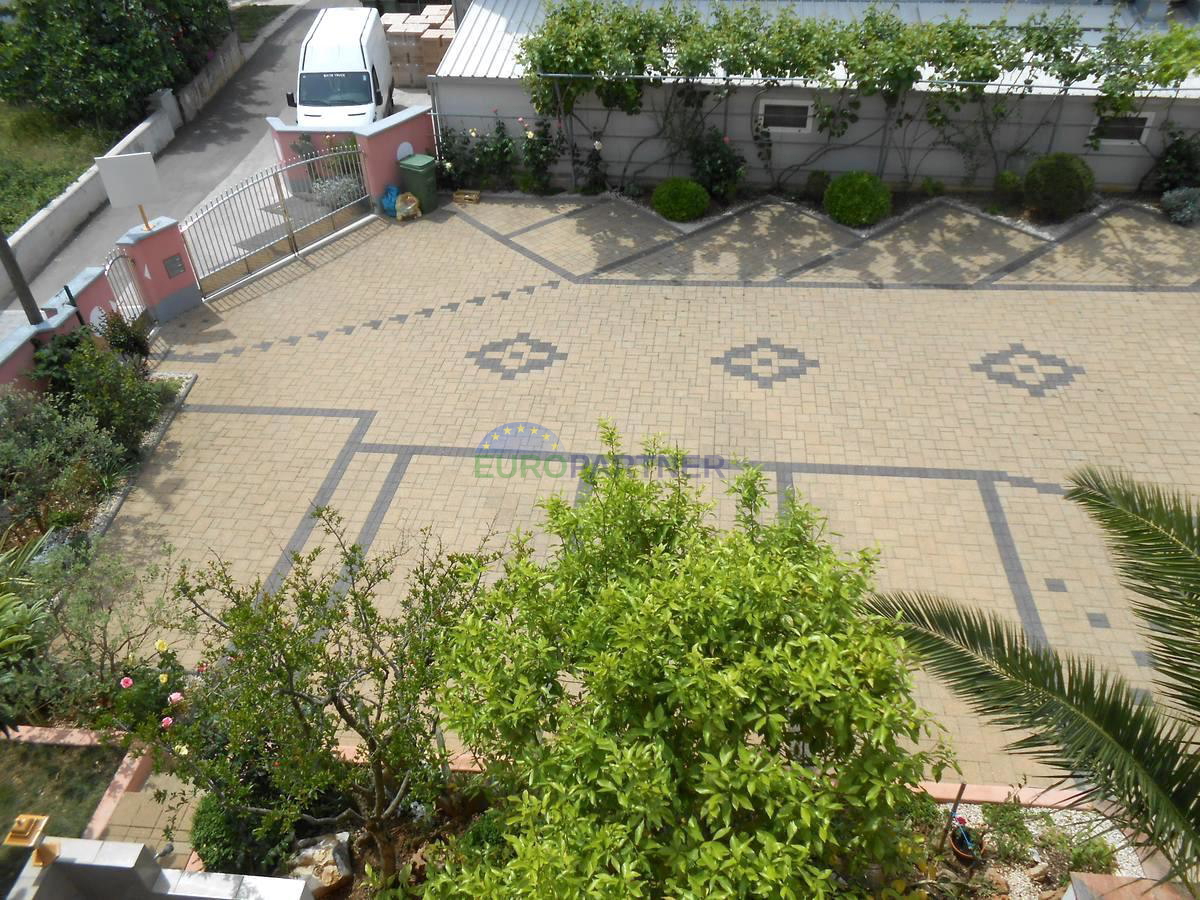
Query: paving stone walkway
point(935, 423)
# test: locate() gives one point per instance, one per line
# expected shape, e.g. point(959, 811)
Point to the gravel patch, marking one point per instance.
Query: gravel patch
point(1076, 822)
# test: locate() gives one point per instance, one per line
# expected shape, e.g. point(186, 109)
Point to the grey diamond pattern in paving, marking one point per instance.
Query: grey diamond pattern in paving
point(765, 362)
point(516, 356)
point(1029, 370)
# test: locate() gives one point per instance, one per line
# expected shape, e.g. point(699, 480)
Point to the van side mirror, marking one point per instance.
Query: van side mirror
point(291, 99)
point(378, 98)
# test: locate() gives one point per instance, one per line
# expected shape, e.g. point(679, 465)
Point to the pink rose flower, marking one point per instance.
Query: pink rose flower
point(725, 139)
point(167, 722)
point(126, 682)
point(175, 698)
point(961, 820)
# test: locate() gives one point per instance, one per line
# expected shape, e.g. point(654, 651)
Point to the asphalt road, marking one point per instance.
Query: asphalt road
point(203, 153)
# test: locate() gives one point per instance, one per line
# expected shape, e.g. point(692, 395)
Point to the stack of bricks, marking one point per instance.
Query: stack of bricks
point(417, 43)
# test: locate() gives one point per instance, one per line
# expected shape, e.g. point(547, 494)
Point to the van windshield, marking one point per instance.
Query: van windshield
point(335, 89)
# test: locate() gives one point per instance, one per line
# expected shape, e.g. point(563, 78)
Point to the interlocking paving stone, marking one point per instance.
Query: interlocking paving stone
point(760, 244)
point(506, 215)
point(1126, 247)
point(598, 236)
point(953, 477)
point(939, 245)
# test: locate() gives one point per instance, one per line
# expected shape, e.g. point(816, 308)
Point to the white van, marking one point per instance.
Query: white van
point(345, 73)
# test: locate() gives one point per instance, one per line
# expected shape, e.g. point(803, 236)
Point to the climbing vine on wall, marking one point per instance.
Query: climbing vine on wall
point(925, 74)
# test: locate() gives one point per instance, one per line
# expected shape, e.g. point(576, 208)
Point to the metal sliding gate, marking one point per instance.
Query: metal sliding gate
point(127, 296)
point(275, 214)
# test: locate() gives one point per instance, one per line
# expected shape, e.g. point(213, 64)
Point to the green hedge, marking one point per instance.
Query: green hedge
point(857, 199)
point(680, 200)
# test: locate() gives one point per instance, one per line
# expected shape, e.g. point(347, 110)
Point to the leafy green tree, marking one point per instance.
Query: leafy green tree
point(1138, 759)
point(292, 673)
point(668, 710)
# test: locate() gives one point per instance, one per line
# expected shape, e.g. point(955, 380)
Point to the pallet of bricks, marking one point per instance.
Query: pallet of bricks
point(417, 43)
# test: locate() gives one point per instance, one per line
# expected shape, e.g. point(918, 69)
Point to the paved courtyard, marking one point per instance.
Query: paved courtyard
point(929, 387)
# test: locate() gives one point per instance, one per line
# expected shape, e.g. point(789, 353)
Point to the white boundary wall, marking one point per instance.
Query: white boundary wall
point(468, 103)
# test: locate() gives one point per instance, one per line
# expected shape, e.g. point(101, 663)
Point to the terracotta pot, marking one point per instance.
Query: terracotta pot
point(965, 854)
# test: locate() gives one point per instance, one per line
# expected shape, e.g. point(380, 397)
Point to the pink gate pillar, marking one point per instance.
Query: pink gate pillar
point(164, 270)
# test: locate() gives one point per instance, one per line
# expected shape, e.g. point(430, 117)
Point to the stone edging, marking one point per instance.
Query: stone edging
point(130, 776)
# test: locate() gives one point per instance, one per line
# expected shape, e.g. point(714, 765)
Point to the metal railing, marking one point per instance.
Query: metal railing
point(127, 296)
point(274, 214)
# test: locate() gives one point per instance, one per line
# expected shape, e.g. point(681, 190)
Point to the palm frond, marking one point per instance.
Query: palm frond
point(1154, 536)
point(1081, 720)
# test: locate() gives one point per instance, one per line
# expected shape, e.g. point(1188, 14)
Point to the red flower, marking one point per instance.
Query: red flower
point(961, 820)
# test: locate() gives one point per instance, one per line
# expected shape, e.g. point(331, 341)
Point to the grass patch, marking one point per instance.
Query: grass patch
point(65, 783)
point(39, 158)
point(251, 18)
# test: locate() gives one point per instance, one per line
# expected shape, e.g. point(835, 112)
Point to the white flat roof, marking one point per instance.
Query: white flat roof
point(489, 38)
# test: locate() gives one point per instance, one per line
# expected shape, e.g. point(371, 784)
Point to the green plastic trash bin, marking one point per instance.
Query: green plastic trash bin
point(420, 178)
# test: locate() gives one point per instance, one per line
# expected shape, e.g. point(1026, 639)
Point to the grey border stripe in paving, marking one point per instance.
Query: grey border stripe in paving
point(324, 495)
point(513, 245)
point(1014, 571)
point(783, 485)
point(311, 411)
point(558, 217)
point(1089, 221)
point(383, 500)
point(886, 228)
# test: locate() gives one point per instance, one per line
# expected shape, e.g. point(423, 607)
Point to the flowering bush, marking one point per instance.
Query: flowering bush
point(145, 691)
point(541, 150)
point(471, 158)
point(595, 173)
point(717, 164)
point(95, 659)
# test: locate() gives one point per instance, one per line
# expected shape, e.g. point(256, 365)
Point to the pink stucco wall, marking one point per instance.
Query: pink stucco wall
point(380, 143)
point(15, 370)
point(97, 295)
point(379, 150)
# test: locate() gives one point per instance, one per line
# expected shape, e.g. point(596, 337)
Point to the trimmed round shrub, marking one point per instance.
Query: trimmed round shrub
point(857, 199)
point(680, 200)
point(1182, 205)
point(1059, 185)
point(226, 840)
